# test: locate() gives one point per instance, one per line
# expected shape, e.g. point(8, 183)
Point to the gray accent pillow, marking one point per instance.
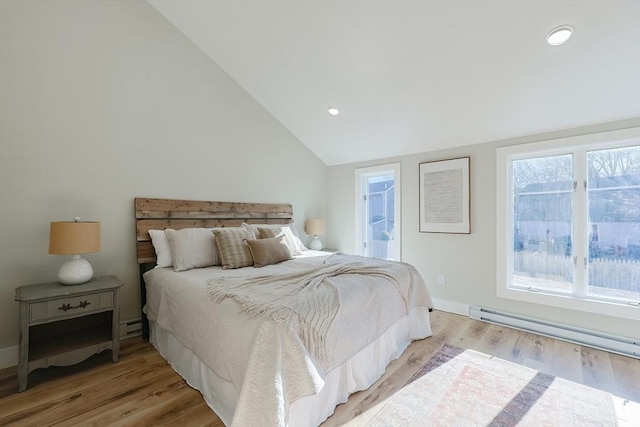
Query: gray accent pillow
point(232, 248)
point(268, 251)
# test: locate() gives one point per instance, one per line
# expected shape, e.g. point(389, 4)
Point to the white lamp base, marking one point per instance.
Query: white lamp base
point(75, 271)
point(316, 244)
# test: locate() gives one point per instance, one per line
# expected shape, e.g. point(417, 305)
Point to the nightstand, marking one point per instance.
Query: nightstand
point(64, 325)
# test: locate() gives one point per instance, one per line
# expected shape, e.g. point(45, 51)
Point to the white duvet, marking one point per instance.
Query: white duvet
point(266, 361)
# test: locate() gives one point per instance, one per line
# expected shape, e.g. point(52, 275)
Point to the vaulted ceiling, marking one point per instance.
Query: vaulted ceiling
point(415, 76)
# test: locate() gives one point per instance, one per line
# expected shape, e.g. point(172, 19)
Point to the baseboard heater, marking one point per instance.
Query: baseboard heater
point(612, 343)
point(130, 328)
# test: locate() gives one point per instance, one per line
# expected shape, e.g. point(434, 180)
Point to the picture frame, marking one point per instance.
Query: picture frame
point(445, 196)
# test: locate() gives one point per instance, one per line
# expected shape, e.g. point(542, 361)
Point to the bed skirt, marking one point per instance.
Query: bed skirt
point(357, 373)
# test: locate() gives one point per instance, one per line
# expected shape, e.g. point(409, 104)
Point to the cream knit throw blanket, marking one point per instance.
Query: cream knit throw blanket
point(308, 298)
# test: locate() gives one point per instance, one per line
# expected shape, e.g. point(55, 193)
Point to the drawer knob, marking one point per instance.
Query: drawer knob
point(66, 307)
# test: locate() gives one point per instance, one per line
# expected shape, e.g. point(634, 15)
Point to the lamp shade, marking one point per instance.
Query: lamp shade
point(316, 227)
point(74, 237)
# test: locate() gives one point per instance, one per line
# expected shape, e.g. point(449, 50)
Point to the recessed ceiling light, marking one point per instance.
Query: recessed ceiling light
point(559, 35)
point(333, 111)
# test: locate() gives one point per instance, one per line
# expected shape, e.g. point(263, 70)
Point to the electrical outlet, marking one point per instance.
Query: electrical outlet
point(442, 279)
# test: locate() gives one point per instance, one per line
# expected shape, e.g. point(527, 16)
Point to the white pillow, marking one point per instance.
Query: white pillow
point(162, 248)
point(192, 248)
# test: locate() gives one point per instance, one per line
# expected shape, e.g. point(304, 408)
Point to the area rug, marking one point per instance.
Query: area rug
point(466, 388)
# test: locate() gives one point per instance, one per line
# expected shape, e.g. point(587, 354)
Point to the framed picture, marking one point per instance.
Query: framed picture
point(444, 196)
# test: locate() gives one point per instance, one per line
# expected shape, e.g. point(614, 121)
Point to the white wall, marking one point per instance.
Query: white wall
point(468, 261)
point(103, 101)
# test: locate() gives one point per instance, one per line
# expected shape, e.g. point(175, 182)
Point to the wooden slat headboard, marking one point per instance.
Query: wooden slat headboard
point(159, 214)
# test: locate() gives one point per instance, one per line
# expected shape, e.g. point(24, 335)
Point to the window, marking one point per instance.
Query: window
point(378, 211)
point(568, 223)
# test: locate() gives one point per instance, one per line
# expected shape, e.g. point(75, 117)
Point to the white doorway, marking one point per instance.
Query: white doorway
point(378, 211)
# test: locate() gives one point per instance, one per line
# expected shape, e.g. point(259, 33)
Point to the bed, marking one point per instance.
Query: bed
point(279, 345)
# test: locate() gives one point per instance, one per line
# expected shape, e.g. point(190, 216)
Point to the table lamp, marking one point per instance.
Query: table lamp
point(315, 227)
point(74, 238)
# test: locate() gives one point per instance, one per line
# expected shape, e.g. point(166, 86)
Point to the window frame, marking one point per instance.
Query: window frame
point(578, 300)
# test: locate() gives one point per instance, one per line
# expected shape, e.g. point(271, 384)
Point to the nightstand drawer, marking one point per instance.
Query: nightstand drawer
point(70, 307)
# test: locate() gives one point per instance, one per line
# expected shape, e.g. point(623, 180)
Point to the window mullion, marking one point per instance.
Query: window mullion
point(580, 223)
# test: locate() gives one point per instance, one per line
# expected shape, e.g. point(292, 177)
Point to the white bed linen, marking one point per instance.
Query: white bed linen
point(357, 373)
point(179, 305)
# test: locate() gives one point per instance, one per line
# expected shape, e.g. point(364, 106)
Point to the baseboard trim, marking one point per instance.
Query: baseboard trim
point(451, 306)
point(8, 357)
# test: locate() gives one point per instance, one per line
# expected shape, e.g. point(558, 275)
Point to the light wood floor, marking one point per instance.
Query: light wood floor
point(142, 389)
